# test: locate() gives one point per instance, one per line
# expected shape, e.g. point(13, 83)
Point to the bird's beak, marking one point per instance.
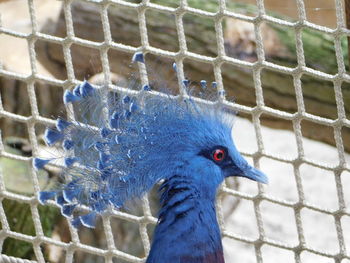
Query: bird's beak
point(240, 167)
point(243, 169)
point(254, 174)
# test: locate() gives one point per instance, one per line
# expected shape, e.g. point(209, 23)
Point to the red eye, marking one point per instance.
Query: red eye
point(218, 155)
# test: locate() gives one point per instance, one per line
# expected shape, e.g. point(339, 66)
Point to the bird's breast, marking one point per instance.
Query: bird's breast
point(187, 230)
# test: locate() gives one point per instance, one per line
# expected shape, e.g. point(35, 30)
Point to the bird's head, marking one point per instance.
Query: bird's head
point(186, 138)
point(139, 141)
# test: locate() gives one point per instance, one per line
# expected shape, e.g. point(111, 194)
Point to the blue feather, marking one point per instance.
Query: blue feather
point(114, 120)
point(99, 207)
point(86, 89)
point(44, 196)
point(67, 210)
point(105, 132)
point(126, 114)
point(52, 136)
point(222, 93)
point(62, 124)
point(60, 200)
point(106, 173)
point(70, 194)
point(76, 91)
point(186, 83)
point(122, 145)
point(174, 67)
point(138, 57)
point(76, 222)
point(39, 163)
point(100, 146)
point(104, 157)
point(89, 220)
point(68, 144)
point(133, 107)
point(146, 88)
point(126, 99)
point(100, 165)
point(69, 97)
point(69, 161)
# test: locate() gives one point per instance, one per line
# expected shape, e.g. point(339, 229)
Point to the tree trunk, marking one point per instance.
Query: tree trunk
point(240, 42)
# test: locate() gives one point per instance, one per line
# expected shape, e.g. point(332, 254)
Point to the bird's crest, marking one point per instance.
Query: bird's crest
point(121, 144)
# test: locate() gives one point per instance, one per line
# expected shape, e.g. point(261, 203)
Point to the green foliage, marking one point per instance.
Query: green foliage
point(16, 176)
point(20, 220)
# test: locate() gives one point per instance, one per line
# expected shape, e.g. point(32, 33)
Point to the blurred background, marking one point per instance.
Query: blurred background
point(317, 185)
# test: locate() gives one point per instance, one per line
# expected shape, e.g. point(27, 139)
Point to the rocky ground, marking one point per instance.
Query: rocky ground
point(279, 222)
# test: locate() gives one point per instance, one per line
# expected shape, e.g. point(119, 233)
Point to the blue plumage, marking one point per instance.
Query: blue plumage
point(52, 136)
point(69, 161)
point(43, 197)
point(121, 145)
point(39, 163)
point(67, 210)
point(203, 84)
point(138, 57)
point(61, 124)
point(68, 96)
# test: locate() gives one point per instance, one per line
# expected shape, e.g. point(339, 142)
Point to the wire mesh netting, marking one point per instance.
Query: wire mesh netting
point(315, 216)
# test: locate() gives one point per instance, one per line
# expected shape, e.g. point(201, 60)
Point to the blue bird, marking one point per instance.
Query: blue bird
point(120, 145)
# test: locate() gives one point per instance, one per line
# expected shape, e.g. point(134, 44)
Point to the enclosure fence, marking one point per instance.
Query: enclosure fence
point(183, 53)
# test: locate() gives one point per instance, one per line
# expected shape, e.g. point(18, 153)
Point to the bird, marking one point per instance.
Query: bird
point(119, 145)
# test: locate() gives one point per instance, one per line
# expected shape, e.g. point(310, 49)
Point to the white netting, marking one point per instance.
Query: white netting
point(143, 221)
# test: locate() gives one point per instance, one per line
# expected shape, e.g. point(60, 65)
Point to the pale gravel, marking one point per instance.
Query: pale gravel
point(279, 221)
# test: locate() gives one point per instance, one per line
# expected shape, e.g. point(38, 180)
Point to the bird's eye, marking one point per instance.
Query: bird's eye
point(218, 155)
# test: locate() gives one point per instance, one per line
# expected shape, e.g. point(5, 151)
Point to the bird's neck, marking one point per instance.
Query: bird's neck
point(187, 229)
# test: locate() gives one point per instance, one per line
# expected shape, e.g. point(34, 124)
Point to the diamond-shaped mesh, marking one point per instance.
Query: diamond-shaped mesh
point(261, 240)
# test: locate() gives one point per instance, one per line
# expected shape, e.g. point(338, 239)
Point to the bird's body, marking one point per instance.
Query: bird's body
point(187, 229)
point(120, 146)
